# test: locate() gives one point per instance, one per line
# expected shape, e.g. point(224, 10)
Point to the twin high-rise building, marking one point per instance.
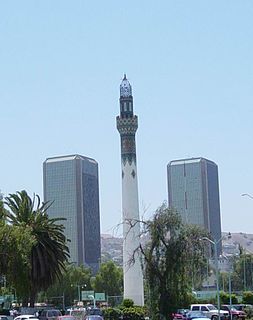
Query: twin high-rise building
point(71, 184)
point(193, 190)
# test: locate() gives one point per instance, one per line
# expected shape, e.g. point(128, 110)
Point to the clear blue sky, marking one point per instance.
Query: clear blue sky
point(190, 66)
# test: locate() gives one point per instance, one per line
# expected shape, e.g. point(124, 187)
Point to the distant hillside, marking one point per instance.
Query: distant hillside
point(245, 240)
point(112, 247)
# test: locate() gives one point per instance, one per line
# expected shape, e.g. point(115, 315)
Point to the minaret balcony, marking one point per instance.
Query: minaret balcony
point(127, 125)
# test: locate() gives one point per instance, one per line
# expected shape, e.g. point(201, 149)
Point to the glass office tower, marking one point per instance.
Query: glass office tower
point(71, 184)
point(193, 190)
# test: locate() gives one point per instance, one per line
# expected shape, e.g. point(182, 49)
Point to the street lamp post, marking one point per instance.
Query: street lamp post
point(229, 284)
point(79, 287)
point(79, 292)
point(215, 243)
point(244, 273)
point(245, 267)
point(230, 295)
point(94, 300)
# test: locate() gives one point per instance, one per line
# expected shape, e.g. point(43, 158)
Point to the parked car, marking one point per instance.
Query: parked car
point(247, 308)
point(180, 314)
point(26, 317)
point(233, 312)
point(94, 312)
point(67, 317)
point(241, 307)
point(3, 317)
point(50, 314)
point(94, 317)
point(196, 315)
point(210, 311)
point(78, 314)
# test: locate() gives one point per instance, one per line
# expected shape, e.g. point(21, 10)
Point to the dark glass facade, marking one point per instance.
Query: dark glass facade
point(71, 184)
point(193, 190)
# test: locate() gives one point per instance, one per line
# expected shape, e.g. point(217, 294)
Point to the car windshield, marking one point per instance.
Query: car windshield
point(77, 313)
point(237, 307)
point(96, 312)
point(232, 309)
point(211, 307)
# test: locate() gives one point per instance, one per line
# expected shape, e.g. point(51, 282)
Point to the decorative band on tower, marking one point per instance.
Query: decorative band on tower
point(127, 128)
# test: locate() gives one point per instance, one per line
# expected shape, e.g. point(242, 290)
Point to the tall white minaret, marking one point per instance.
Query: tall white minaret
point(127, 124)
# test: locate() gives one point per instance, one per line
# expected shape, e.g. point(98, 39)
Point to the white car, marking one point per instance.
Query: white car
point(210, 311)
point(26, 317)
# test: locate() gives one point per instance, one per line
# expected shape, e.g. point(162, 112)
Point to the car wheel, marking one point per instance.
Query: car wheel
point(214, 318)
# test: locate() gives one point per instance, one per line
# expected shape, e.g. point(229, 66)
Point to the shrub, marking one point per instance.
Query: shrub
point(247, 297)
point(128, 303)
point(133, 313)
point(112, 314)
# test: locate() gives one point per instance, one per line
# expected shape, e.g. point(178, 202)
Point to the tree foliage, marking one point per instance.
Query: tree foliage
point(242, 272)
point(133, 313)
point(225, 298)
point(247, 297)
point(173, 257)
point(44, 261)
point(109, 279)
point(127, 303)
point(112, 314)
point(3, 211)
point(15, 246)
point(126, 313)
point(73, 281)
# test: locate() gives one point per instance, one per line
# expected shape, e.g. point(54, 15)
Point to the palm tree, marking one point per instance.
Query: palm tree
point(49, 253)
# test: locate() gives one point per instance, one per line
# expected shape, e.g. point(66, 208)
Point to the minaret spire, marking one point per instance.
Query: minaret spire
point(127, 125)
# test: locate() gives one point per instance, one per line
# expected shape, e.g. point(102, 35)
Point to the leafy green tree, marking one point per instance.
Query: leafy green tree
point(109, 279)
point(49, 251)
point(225, 298)
point(3, 211)
point(73, 281)
point(242, 275)
point(168, 259)
point(15, 247)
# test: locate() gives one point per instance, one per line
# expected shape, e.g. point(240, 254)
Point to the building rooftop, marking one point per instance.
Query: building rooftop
point(189, 160)
point(69, 157)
